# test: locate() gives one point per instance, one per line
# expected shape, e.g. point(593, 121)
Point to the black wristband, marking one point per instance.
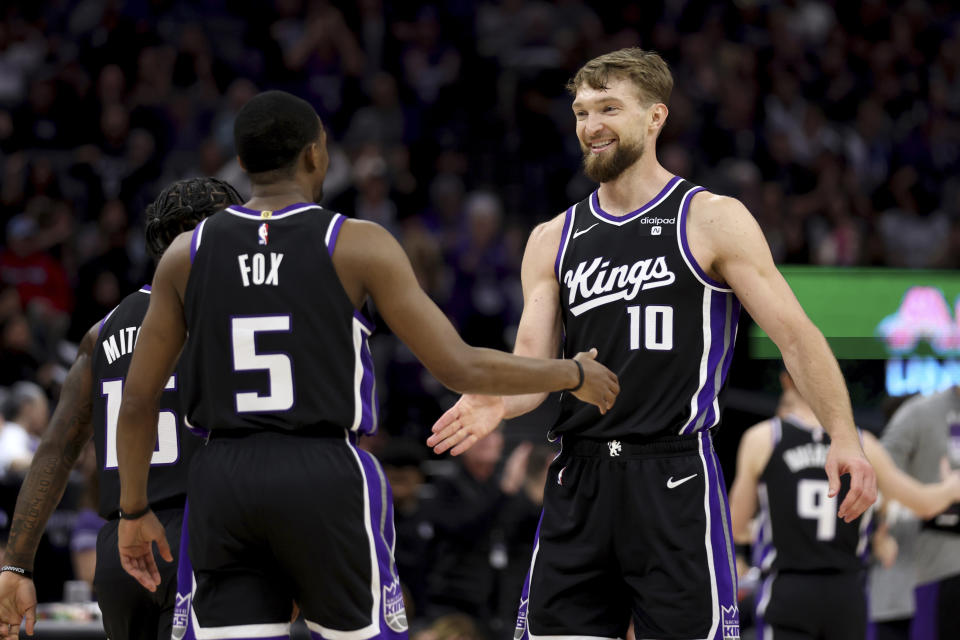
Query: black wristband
point(742, 550)
point(18, 570)
point(136, 515)
point(580, 371)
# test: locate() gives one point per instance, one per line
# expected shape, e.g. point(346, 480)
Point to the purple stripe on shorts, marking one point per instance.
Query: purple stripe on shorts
point(335, 232)
point(393, 615)
point(183, 600)
point(721, 538)
point(522, 630)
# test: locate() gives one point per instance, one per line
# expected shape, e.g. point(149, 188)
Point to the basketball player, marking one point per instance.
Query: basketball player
point(283, 505)
point(813, 564)
point(653, 269)
point(88, 407)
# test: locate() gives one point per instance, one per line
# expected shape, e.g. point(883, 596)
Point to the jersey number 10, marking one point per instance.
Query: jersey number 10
point(657, 327)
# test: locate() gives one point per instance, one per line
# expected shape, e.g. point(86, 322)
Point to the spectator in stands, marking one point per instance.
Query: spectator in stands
point(26, 415)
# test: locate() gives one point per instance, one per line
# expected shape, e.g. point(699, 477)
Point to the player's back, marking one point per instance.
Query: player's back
point(799, 529)
point(274, 341)
point(109, 364)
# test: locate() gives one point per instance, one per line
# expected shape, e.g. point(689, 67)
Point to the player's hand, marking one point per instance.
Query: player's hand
point(846, 456)
point(18, 601)
point(600, 385)
point(135, 541)
point(463, 424)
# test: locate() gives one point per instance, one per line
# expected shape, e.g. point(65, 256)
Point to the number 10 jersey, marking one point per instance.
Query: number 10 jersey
point(630, 287)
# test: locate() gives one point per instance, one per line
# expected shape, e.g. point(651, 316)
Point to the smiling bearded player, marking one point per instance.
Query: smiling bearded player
point(653, 271)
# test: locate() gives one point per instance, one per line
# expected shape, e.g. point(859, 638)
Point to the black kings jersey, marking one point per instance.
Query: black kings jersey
point(798, 529)
point(109, 364)
point(275, 343)
point(630, 287)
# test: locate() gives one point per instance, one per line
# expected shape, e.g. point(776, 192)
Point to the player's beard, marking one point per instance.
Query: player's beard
point(604, 167)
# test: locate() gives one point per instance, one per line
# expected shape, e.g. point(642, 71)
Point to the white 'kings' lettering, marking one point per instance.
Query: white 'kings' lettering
point(254, 270)
point(598, 286)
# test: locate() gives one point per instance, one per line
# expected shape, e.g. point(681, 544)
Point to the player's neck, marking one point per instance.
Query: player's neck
point(277, 195)
point(635, 187)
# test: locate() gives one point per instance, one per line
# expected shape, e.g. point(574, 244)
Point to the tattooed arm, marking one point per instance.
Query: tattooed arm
point(70, 429)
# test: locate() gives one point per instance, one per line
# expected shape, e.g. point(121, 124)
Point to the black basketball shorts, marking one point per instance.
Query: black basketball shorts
point(812, 606)
point(278, 518)
point(130, 612)
point(631, 529)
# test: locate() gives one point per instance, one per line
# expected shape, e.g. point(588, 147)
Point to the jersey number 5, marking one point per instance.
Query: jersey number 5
point(244, 330)
point(168, 447)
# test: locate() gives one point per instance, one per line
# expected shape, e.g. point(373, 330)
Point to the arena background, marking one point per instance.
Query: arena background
point(834, 122)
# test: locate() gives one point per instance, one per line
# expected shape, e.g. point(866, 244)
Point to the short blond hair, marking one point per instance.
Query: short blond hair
point(646, 69)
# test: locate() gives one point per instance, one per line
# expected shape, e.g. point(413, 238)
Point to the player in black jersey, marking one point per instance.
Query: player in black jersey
point(88, 407)
point(812, 562)
point(278, 369)
point(652, 270)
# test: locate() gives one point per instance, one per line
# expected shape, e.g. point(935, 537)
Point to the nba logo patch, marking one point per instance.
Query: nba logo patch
point(655, 231)
point(394, 613)
point(262, 234)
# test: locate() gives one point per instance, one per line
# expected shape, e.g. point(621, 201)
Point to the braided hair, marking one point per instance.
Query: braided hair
point(181, 206)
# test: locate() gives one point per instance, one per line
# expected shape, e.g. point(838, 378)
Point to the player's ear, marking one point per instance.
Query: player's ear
point(658, 117)
point(311, 157)
point(240, 162)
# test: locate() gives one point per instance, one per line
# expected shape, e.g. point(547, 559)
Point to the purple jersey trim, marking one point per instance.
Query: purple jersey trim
point(335, 232)
point(682, 230)
point(638, 212)
point(564, 239)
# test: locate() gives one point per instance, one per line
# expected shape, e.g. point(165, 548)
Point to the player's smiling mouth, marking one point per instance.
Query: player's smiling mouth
point(600, 145)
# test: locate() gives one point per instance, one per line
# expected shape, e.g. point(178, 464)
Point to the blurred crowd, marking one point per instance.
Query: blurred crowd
point(835, 122)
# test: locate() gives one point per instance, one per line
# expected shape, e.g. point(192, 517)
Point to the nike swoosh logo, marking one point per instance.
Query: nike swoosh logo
point(580, 233)
point(673, 484)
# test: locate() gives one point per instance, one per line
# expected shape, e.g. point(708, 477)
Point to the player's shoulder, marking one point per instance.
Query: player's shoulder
point(759, 435)
point(548, 233)
point(717, 212)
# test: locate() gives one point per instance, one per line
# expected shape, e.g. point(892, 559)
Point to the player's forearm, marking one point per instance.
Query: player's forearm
point(518, 405)
point(487, 371)
point(815, 371)
point(39, 495)
point(136, 440)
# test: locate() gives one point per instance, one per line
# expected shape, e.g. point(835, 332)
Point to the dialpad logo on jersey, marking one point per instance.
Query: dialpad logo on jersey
point(658, 221)
point(731, 623)
point(596, 284)
point(394, 613)
point(521, 629)
point(181, 616)
point(263, 234)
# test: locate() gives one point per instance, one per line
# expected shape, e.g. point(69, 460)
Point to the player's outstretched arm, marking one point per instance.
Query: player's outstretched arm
point(722, 230)
point(161, 338)
point(369, 253)
point(69, 430)
point(538, 336)
point(926, 500)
